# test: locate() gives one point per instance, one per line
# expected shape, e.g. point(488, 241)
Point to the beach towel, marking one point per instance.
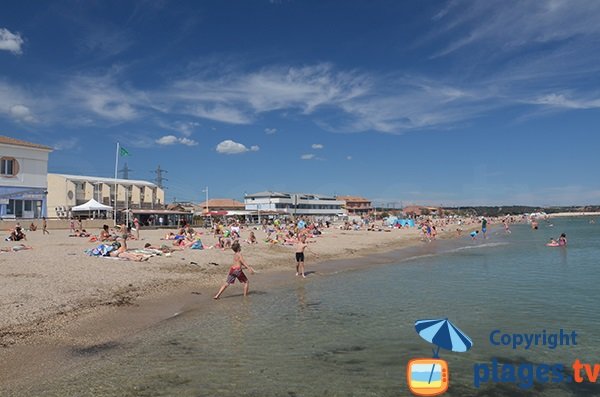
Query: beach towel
point(101, 250)
point(197, 245)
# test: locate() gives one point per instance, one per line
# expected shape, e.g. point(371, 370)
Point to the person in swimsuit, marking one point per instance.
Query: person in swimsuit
point(301, 246)
point(236, 271)
point(44, 226)
point(562, 240)
point(136, 224)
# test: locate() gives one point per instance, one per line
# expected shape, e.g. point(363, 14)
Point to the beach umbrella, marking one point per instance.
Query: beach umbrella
point(442, 333)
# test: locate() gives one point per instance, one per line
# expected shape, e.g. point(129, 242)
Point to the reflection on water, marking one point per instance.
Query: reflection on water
point(351, 333)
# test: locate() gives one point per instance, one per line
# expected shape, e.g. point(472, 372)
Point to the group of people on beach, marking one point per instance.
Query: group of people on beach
point(236, 271)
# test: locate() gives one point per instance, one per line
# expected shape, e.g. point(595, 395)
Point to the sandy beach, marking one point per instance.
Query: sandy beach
point(55, 297)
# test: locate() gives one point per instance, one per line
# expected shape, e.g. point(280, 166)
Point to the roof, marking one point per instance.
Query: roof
point(17, 142)
point(353, 198)
point(268, 194)
point(304, 196)
point(159, 212)
point(222, 203)
point(110, 181)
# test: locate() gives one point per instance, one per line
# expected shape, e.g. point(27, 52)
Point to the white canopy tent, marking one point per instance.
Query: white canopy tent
point(91, 207)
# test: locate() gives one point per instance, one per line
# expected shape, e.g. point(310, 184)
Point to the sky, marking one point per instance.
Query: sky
point(454, 103)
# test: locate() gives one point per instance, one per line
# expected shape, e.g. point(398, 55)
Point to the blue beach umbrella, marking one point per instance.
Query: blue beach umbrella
point(443, 333)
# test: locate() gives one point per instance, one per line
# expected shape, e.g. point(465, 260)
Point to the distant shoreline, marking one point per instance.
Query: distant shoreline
point(567, 214)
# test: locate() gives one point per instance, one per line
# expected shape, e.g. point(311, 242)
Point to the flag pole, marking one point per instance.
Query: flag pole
point(116, 169)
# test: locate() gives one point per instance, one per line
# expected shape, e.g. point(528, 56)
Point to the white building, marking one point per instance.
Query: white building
point(300, 204)
point(68, 191)
point(23, 182)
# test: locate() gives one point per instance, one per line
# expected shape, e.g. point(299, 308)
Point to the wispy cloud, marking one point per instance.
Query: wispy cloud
point(498, 24)
point(230, 147)
point(103, 96)
point(309, 156)
point(185, 128)
point(10, 41)
point(561, 101)
point(317, 146)
point(66, 144)
point(270, 131)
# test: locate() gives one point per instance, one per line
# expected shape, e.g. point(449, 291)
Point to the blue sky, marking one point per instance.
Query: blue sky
point(438, 102)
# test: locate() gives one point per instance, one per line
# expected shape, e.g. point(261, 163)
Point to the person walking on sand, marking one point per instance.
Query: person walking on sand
point(136, 224)
point(44, 226)
point(236, 271)
point(301, 246)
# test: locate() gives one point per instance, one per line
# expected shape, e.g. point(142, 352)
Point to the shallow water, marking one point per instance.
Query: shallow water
point(351, 333)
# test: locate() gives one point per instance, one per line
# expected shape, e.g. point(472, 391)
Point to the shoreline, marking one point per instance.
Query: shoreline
point(44, 294)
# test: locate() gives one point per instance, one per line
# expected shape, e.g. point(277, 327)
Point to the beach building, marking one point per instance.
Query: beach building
point(300, 204)
point(68, 191)
point(418, 210)
point(221, 205)
point(23, 182)
point(356, 206)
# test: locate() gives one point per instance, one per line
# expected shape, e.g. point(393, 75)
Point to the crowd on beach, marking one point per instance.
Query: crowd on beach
point(298, 234)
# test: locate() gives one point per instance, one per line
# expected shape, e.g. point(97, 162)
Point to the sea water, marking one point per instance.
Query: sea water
point(351, 333)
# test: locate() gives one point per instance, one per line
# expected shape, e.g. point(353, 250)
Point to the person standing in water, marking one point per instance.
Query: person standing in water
point(562, 240)
point(484, 227)
point(236, 271)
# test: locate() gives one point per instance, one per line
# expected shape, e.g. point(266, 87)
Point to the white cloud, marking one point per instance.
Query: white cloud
point(10, 41)
point(307, 156)
point(21, 113)
point(167, 140)
point(270, 131)
point(348, 157)
point(188, 142)
point(172, 140)
point(317, 146)
point(230, 147)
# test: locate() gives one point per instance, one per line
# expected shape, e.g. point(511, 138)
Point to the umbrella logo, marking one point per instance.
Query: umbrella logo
point(430, 376)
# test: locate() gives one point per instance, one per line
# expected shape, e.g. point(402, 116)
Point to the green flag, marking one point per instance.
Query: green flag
point(123, 152)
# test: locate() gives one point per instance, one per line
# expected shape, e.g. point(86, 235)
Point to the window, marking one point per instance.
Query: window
point(9, 166)
point(10, 208)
